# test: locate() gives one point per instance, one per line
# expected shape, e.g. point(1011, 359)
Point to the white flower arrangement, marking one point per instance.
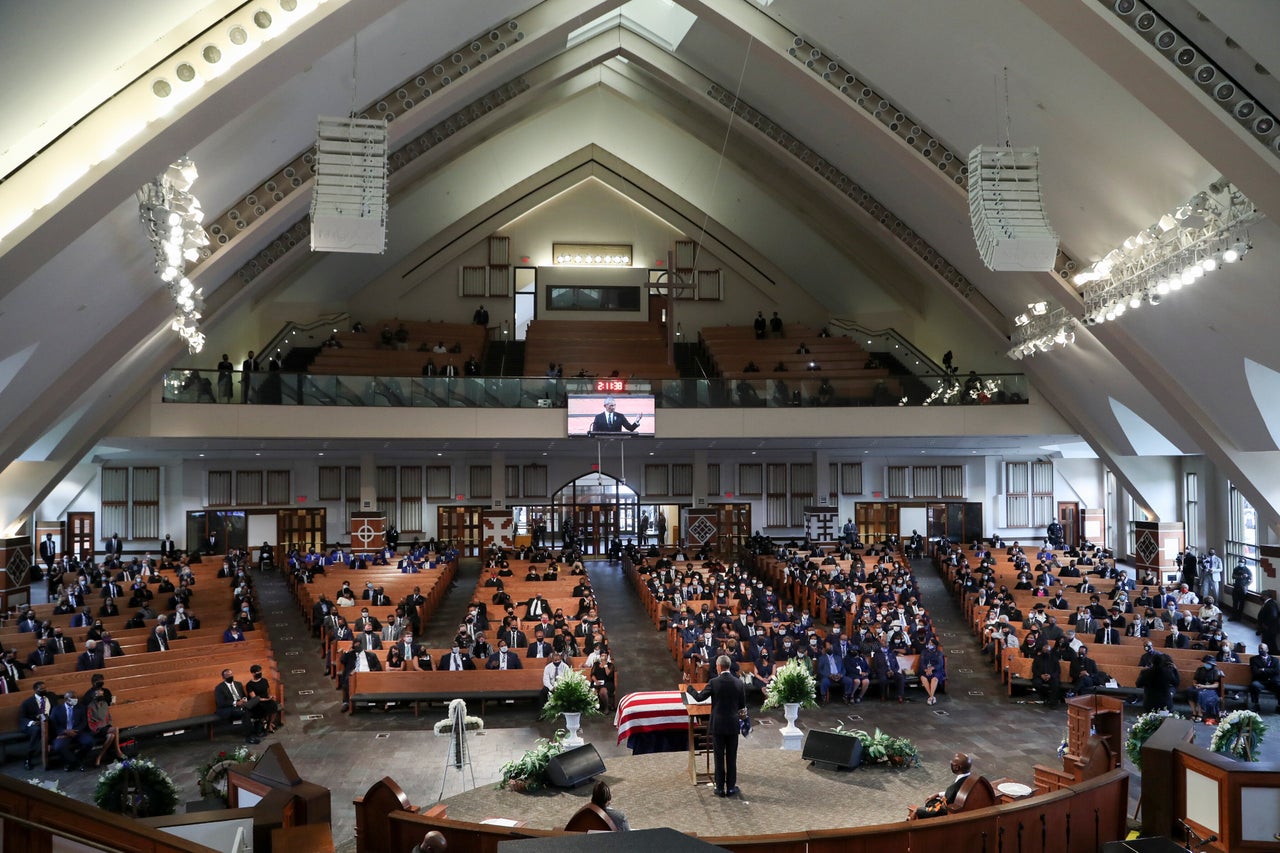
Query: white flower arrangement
point(458, 707)
point(51, 785)
point(792, 683)
point(1239, 735)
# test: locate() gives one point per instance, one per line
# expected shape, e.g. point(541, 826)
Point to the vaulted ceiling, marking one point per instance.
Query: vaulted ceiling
point(717, 112)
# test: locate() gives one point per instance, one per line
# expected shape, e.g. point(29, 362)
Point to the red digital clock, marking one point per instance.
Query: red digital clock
point(611, 386)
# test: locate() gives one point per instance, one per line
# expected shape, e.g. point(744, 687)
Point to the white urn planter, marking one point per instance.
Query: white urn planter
point(572, 723)
point(792, 736)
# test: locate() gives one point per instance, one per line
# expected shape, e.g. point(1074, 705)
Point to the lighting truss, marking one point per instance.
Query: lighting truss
point(1197, 237)
point(349, 205)
point(172, 216)
point(1007, 212)
point(1040, 329)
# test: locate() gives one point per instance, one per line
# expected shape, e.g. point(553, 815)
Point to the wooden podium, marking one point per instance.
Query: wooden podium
point(701, 771)
point(1095, 736)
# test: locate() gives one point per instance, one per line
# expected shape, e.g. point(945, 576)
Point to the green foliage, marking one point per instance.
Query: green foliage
point(1143, 727)
point(531, 768)
point(212, 775)
point(571, 694)
point(1239, 735)
point(883, 748)
point(137, 787)
point(792, 683)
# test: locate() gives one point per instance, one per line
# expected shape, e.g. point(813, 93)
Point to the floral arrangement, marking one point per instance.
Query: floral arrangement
point(51, 785)
point(571, 694)
point(792, 683)
point(528, 773)
point(1144, 727)
point(1239, 735)
point(212, 775)
point(469, 723)
point(136, 787)
point(472, 724)
point(883, 748)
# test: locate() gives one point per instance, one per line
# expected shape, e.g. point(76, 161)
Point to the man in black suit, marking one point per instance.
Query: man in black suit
point(1264, 670)
point(886, 670)
point(1106, 635)
point(962, 766)
point(159, 640)
point(32, 714)
point(68, 733)
point(90, 658)
point(504, 658)
point(247, 369)
point(115, 547)
point(232, 703)
point(48, 550)
point(536, 606)
point(728, 704)
point(456, 659)
point(168, 548)
point(610, 421)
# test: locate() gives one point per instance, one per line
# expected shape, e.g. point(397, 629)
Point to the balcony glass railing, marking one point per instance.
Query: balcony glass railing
point(805, 389)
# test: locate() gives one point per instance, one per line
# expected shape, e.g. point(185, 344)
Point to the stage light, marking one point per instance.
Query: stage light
point(1167, 223)
point(1039, 308)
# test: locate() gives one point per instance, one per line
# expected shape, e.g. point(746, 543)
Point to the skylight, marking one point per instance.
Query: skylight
point(662, 22)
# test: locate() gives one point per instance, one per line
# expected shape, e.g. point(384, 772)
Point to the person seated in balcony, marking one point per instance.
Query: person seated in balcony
point(439, 347)
point(751, 367)
point(780, 367)
point(387, 337)
point(473, 366)
point(357, 327)
point(332, 342)
point(402, 337)
point(813, 365)
point(803, 349)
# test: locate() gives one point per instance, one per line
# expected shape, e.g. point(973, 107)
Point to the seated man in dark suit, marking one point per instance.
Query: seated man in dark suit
point(886, 672)
point(1176, 639)
point(231, 702)
point(938, 803)
point(68, 733)
point(455, 660)
point(503, 658)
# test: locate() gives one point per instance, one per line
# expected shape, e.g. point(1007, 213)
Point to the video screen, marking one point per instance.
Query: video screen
point(610, 414)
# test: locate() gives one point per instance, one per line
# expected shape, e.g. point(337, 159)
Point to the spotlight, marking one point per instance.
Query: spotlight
point(1039, 308)
point(1021, 320)
point(1167, 223)
point(1153, 298)
point(1135, 301)
point(1230, 256)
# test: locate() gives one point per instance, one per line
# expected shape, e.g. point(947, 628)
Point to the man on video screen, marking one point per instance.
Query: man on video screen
point(611, 421)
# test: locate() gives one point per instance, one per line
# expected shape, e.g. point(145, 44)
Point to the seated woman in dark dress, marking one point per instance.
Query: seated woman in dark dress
point(266, 709)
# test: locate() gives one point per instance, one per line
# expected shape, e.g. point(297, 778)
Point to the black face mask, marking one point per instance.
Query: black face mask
point(229, 679)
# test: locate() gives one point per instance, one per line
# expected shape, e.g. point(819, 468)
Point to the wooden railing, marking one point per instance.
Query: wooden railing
point(1074, 819)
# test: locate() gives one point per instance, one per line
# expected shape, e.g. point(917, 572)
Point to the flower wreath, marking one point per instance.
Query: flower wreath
point(1239, 735)
point(137, 787)
point(212, 775)
point(1144, 727)
point(470, 723)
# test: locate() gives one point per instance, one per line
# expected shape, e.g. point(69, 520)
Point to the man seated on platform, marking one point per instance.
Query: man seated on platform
point(938, 804)
point(1265, 671)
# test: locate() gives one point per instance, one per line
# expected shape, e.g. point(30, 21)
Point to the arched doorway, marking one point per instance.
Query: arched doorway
point(600, 508)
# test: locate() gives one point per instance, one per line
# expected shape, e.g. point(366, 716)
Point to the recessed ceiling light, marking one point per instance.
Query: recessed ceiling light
point(321, 453)
point(201, 455)
point(439, 453)
point(257, 454)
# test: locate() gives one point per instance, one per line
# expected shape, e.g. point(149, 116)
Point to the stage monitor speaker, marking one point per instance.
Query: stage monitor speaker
point(571, 768)
point(828, 749)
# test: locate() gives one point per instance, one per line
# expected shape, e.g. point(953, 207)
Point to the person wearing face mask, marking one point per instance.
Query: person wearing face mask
point(456, 659)
point(503, 658)
point(264, 709)
point(231, 702)
point(69, 733)
point(933, 671)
